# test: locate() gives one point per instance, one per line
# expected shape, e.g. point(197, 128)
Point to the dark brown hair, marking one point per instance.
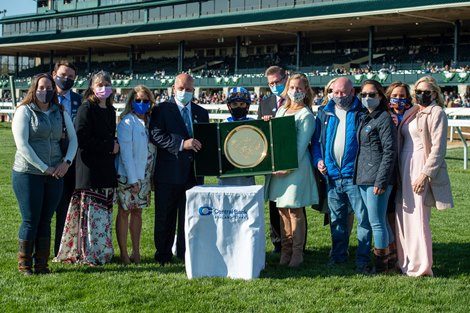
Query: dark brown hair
point(380, 89)
point(67, 64)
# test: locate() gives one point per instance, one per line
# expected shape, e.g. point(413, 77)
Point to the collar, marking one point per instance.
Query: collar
point(181, 106)
point(66, 95)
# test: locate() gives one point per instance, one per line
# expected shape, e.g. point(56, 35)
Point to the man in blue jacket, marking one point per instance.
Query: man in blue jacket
point(334, 148)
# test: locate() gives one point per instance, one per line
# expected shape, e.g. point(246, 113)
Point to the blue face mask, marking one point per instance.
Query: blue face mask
point(398, 104)
point(183, 96)
point(277, 89)
point(140, 107)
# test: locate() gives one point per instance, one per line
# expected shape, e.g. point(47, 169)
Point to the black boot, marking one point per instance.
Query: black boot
point(25, 260)
point(41, 255)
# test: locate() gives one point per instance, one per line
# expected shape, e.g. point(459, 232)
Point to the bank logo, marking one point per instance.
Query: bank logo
point(232, 215)
point(205, 210)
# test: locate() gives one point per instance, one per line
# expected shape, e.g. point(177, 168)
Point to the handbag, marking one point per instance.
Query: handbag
point(64, 139)
point(322, 187)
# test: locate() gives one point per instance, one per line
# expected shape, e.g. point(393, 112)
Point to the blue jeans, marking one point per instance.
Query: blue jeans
point(342, 194)
point(377, 212)
point(38, 197)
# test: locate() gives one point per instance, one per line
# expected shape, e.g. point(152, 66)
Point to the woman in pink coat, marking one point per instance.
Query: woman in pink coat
point(422, 144)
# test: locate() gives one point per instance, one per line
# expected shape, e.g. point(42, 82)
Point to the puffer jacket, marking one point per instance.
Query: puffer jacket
point(375, 160)
point(326, 124)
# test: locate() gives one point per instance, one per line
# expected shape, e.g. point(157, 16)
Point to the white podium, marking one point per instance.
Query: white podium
point(225, 232)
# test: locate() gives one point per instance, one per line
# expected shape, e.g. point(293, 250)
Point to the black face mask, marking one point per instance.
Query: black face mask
point(424, 100)
point(64, 83)
point(238, 113)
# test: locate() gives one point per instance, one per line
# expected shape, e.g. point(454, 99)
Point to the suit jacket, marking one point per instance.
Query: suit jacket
point(167, 131)
point(75, 100)
point(96, 128)
point(432, 125)
point(268, 106)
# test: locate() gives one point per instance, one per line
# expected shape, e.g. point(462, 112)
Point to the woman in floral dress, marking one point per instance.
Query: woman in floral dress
point(134, 168)
point(87, 234)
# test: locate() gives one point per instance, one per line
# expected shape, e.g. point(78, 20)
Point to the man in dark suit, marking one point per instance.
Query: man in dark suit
point(64, 75)
point(171, 131)
point(277, 78)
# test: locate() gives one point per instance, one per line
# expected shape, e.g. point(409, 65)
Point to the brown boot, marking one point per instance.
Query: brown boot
point(25, 259)
point(298, 237)
point(381, 260)
point(41, 255)
point(392, 257)
point(286, 237)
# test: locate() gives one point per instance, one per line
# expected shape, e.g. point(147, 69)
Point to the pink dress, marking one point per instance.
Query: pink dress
point(414, 242)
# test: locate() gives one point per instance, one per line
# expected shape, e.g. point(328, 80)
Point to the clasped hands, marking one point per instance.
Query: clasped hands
point(59, 171)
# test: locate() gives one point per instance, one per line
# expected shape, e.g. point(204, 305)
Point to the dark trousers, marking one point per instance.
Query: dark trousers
point(62, 208)
point(38, 197)
point(170, 205)
point(275, 224)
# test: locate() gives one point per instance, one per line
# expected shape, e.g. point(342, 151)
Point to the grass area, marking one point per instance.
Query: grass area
point(312, 288)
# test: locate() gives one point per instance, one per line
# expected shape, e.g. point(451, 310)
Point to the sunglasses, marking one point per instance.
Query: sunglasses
point(140, 100)
point(425, 92)
point(368, 94)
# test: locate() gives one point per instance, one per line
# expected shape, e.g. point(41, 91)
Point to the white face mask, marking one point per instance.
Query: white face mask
point(183, 96)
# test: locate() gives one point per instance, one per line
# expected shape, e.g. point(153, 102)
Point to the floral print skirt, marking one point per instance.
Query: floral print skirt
point(87, 236)
point(128, 200)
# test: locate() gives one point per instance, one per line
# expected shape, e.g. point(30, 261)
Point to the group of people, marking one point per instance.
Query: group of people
point(380, 153)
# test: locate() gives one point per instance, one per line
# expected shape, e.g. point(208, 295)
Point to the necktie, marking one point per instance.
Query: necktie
point(187, 121)
point(279, 103)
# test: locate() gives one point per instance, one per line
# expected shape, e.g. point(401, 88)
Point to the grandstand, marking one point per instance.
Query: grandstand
point(230, 42)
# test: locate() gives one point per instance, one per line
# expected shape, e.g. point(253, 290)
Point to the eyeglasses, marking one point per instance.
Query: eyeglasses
point(277, 82)
point(425, 92)
point(368, 94)
point(140, 100)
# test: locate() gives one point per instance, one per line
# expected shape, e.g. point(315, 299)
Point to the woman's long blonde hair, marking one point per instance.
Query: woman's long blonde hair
point(308, 93)
point(434, 86)
point(131, 96)
point(325, 91)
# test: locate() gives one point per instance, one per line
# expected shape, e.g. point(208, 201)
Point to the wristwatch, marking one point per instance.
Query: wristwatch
point(68, 162)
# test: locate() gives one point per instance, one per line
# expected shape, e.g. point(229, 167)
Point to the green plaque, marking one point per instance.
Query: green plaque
point(244, 148)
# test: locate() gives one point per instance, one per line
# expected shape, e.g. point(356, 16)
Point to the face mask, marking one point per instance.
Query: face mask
point(140, 107)
point(239, 112)
point(64, 83)
point(343, 102)
point(398, 104)
point(277, 89)
point(296, 96)
point(103, 93)
point(45, 96)
point(371, 103)
point(183, 96)
point(424, 100)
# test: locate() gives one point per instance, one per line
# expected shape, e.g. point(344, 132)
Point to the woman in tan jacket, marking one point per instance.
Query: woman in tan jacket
point(422, 144)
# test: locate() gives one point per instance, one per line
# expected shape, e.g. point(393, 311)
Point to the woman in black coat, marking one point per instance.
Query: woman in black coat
point(87, 234)
point(374, 168)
